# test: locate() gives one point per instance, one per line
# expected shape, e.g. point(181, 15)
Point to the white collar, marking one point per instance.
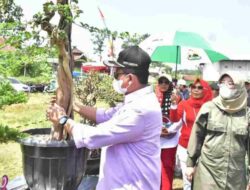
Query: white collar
point(138, 93)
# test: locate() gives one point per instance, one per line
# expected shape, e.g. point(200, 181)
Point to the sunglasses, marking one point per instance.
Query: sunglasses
point(197, 87)
point(117, 74)
point(163, 82)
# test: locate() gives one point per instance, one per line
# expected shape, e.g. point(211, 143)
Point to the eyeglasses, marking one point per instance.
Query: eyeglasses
point(117, 74)
point(196, 87)
point(163, 82)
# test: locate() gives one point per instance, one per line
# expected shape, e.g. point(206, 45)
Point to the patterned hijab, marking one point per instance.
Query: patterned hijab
point(207, 94)
point(236, 103)
point(164, 98)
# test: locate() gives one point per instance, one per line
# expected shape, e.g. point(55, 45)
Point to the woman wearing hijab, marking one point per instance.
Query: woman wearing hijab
point(169, 141)
point(219, 140)
point(186, 111)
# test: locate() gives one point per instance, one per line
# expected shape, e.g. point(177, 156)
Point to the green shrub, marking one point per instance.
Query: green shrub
point(97, 87)
point(35, 80)
point(9, 134)
point(9, 96)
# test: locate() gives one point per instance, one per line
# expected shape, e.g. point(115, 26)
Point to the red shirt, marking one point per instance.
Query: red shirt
point(188, 114)
point(187, 111)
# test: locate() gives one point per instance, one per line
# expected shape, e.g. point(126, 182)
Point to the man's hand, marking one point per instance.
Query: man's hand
point(190, 173)
point(54, 113)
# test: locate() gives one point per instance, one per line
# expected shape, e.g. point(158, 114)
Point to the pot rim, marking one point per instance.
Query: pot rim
point(43, 143)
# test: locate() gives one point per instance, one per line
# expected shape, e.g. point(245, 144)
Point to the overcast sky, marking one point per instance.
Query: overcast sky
point(223, 23)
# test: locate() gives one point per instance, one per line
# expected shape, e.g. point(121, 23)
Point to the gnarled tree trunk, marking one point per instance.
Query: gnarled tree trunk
point(61, 37)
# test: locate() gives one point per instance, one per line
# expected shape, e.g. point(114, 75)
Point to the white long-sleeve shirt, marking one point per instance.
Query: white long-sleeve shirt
point(130, 137)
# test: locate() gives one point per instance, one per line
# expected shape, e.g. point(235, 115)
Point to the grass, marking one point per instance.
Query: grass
point(11, 160)
point(21, 116)
point(26, 116)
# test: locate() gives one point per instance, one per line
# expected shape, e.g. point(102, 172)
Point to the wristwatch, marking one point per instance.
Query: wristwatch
point(63, 120)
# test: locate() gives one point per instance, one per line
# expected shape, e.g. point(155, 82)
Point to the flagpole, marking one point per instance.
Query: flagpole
point(110, 38)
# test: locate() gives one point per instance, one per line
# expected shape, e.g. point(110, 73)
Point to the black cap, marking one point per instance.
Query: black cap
point(132, 57)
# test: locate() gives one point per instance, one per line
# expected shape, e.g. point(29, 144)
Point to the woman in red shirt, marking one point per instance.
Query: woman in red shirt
point(187, 111)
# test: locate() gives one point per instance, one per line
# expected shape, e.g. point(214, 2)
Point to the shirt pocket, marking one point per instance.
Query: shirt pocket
point(216, 126)
point(240, 130)
point(215, 138)
point(240, 136)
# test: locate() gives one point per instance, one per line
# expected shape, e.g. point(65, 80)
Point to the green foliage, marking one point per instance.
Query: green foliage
point(130, 40)
point(69, 12)
point(23, 59)
point(9, 11)
point(36, 80)
point(98, 41)
point(97, 87)
point(27, 57)
point(101, 34)
point(8, 96)
point(10, 134)
point(11, 29)
point(106, 91)
point(30, 61)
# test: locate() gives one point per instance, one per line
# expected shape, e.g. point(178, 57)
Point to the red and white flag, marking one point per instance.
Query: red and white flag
point(102, 15)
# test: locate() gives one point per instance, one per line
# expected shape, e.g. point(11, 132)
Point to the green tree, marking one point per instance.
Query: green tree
point(18, 56)
point(100, 35)
point(98, 40)
point(10, 19)
point(131, 39)
point(29, 61)
point(10, 12)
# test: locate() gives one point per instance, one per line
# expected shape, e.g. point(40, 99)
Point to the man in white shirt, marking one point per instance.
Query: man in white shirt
point(129, 133)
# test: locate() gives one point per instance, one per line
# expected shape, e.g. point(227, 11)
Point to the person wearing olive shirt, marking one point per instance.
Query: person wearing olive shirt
point(220, 140)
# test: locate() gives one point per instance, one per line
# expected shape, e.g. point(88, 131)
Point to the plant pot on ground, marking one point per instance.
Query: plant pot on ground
point(51, 164)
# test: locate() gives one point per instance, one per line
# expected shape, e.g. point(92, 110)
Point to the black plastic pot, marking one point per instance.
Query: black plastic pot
point(52, 165)
point(93, 162)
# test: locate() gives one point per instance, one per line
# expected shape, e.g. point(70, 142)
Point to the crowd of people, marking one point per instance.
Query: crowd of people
point(204, 126)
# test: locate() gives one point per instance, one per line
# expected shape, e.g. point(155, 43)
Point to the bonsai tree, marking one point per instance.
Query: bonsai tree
point(60, 36)
point(56, 164)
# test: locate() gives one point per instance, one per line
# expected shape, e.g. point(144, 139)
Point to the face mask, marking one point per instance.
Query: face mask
point(227, 93)
point(117, 85)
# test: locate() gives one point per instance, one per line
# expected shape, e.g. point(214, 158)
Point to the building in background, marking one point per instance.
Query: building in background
point(211, 72)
